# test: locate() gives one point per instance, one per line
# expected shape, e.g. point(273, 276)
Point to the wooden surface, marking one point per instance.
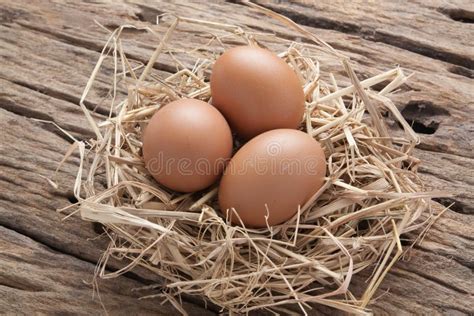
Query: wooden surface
point(47, 52)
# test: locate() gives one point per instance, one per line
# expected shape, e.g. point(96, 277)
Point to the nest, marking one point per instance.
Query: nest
point(371, 194)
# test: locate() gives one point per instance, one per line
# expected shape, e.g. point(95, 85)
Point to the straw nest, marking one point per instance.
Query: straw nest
point(371, 194)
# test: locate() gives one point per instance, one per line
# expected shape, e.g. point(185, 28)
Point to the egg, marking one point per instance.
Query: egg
point(186, 145)
point(273, 173)
point(256, 91)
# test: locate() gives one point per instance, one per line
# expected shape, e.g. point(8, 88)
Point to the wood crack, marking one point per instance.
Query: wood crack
point(35, 279)
point(11, 107)
point(44, 243)
point(458, 206)
point(375, 36)
point(52, 49)
point(60, 95)
point(458, 14)
point(414, 276)
point(431, 149)
point(129, 275)
point(17, 287)
point(91, 45)
point(447, 178)
point(438, 281)
point(54, 249)
point(453, 308)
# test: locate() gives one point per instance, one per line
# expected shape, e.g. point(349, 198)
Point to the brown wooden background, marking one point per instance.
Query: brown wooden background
point(47, 52)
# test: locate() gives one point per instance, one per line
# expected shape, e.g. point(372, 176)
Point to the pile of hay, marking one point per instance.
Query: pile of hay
point(371, 194)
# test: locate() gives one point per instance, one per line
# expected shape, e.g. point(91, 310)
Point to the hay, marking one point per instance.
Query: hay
point(371, 194)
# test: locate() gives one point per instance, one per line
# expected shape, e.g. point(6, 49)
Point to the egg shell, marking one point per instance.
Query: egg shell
point(275, 171)
point(186, 145)
point(256, 91)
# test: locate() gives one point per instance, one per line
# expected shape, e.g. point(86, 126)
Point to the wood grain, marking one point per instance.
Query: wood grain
point(35, 279)
point(47, 52)
point(408, 26)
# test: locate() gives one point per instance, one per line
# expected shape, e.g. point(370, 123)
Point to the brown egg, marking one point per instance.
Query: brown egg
point(256, 91)
point(186, 145)
point(275, 171)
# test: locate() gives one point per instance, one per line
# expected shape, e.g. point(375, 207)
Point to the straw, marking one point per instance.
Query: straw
point(370, 197)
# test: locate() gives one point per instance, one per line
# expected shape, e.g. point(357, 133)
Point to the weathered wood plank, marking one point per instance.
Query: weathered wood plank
point(435, 97)
point(28, 204)
point(37, 280)
point(408, 26)
point(451, 173)
point(33, 61)
point(48, 52)
point(29, 103)
point(28, 153)
point(433, 278)
point(32, 212)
